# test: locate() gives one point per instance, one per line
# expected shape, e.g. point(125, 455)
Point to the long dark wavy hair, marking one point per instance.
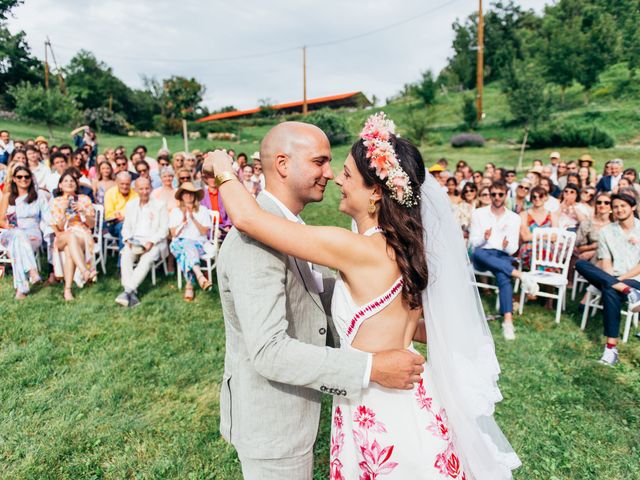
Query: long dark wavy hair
point(402, 225)
point(32, 194)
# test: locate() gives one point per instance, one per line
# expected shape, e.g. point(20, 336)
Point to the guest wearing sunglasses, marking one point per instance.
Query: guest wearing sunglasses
point(589, 230)
point(464, 209)
point(569, 217)
point(484, 197)
point(22, 211)
point(182, 175)
point(520, 201)
point(144, 171)
point(494, 237)
point(537, 216)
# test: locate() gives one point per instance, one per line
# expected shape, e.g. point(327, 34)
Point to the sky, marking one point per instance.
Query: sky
point(229, 45)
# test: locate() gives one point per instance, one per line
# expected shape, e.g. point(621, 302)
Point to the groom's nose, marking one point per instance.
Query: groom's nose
point(327, 171)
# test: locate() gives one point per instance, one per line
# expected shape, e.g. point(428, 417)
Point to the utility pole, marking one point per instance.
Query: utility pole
point(480, 66)
point(55, 63)
point(46, 66)
point(111, 102)
point(304, 81)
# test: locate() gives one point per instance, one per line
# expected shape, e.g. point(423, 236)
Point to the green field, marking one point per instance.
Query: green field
point(90, 390)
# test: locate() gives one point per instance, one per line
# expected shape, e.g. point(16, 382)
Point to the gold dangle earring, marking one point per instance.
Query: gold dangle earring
point(372, 206)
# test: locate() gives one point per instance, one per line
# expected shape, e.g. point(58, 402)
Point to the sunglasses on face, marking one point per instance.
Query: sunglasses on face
point(121, 164)
point(526, 189)
point(22, 177)
point(603, 202)
point(485, 195)
point(184, 179)
point(497, 194)
point(570, 191)
point(142, 170)
point(537, 196)
point(467, 191)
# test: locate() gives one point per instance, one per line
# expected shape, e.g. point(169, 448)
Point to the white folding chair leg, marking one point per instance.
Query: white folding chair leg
point(585, 312)
point(562, 291)
point(153, 275)
point(522, 300)
point(179, 275)
point(627, 326)
point(574, 286)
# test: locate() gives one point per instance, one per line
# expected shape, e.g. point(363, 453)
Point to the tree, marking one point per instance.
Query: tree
point(425, 89)
point(181, 97)
point(34, 103)
point(16, 64)
point(470, 113)
point(6, 6)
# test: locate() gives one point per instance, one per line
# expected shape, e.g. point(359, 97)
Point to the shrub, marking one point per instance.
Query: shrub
point(104, 120)
point(569, 135)
point(333, 124)
point(417, 125)
point(467, 140)
point(469, 113)
point(34, 103)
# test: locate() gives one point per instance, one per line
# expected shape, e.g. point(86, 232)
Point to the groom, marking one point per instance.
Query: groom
point(277, 361)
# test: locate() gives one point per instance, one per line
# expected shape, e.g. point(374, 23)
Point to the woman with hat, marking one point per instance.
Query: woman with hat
point(586, 161)
point(189, 223)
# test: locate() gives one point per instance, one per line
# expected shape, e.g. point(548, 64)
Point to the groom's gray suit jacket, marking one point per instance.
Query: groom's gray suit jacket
point(276, 362)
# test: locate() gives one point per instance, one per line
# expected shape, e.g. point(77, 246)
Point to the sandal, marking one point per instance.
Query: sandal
point(68, 296)
point(188, 294)
point(204, 283)
point(93, 275)
point(20, 296)
point(35, 279)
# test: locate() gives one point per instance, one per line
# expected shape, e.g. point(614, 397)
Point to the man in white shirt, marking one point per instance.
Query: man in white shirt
point(58, 165)
point(6, 146)
point(144, 234)
point(494, 237)
point(554, 160)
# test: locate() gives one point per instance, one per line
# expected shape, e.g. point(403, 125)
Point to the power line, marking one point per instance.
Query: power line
point(274, 52)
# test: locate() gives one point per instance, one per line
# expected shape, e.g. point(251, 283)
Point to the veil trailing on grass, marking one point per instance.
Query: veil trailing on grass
point(461, 355)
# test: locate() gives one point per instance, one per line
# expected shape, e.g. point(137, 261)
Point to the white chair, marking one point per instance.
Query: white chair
point(578, 282)
point(98, 252)
point(211, 256)
point(594, 303)
point(551, 248)
point(161, 262)
point(5, 259)
point(490, 286)
point(110, 244)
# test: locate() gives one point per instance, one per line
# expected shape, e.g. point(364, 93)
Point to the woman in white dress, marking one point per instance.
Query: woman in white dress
point(443, 426)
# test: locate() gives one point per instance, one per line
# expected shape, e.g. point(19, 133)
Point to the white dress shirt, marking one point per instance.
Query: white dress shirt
point(505, 225)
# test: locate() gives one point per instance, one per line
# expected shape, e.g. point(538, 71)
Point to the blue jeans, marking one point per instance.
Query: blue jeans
point(501, 265)
point(611, 299)
point(115, 229)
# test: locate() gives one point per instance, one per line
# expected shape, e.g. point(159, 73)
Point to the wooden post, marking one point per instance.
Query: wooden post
point(185, 135)
point(111, 102)
point(305, 108)
point(480, 65)
point(46, 66)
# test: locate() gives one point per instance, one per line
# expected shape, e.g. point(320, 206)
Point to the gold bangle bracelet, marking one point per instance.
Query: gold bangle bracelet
point(224, 177)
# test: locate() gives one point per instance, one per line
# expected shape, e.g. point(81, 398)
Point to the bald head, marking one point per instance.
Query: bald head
point(295, 159)
point(290, 139)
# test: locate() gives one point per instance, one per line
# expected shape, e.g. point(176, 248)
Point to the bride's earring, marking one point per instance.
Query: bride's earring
point(372, 206)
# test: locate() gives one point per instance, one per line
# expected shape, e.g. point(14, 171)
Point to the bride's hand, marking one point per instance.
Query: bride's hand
point(218, 162)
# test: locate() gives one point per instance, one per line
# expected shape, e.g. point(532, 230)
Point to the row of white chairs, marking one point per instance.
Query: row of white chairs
point(552, 249)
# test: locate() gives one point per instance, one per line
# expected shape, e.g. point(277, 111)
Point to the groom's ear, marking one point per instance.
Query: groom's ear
point(281, 164)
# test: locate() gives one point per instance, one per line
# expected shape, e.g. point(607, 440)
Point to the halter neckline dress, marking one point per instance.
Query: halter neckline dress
point(384, 433)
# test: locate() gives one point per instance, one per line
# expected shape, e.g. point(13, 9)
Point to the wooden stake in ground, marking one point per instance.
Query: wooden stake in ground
point(480, 62)
point(522, 147)
point(46, 66)
point(185, 135)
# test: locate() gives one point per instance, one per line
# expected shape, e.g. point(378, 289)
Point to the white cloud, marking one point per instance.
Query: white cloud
point(131, 36)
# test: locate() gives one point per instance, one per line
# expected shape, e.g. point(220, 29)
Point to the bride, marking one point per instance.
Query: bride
point(403, 276)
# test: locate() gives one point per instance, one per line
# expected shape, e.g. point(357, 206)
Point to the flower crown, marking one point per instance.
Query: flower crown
point(375, 135)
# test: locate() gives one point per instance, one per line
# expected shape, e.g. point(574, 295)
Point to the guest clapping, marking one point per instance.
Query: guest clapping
point(189, 224)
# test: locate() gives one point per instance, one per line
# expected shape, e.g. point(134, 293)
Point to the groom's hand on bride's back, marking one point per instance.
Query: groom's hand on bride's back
point(399, 369)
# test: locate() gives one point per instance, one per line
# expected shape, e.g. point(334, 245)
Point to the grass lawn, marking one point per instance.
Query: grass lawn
point(90, 390)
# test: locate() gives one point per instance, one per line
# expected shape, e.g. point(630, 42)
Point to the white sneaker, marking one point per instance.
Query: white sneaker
point(508, 331)
point(609, 356)
point(634, 300)
point(529, 285)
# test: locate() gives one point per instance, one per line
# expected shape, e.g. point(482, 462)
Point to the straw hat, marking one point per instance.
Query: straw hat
point(41, 139)
point(189, 187)
point(555, 155)
point(255, 156)
point(536, 169)
point(436, 167)
point(586, 158)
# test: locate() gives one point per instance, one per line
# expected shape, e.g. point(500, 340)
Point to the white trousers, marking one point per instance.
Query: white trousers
point(294, 468)
point(133, 277)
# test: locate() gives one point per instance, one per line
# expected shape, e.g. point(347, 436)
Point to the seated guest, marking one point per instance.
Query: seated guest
point(22, 208)
point(36, 165)
point(122, 164)
point(585, 161)
point(143, 170)
point(452, 190)
point(166, 193)
point(589, 229)
point(163, 160)
point(520, 201)
point(189, 223)
point(568, 215)
point(6, 146)
point(72, 219)
point(476, 178)
point(258, 176)
point(631, 174)
point(619, 274)
point(608, 183)
point(58, 165)
point(213, 202)
point(464, 209)
point(512, 182)
point(79, 161)
point(82, 189)
point(494, 238)
point(484, 197)
point(183, 175)
point(537, 216)
point(584, 174)
point(552, 204)
point(585, 205)
point(144, 234)
point(115, 199)
point(103, 182)
point(142, 151)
